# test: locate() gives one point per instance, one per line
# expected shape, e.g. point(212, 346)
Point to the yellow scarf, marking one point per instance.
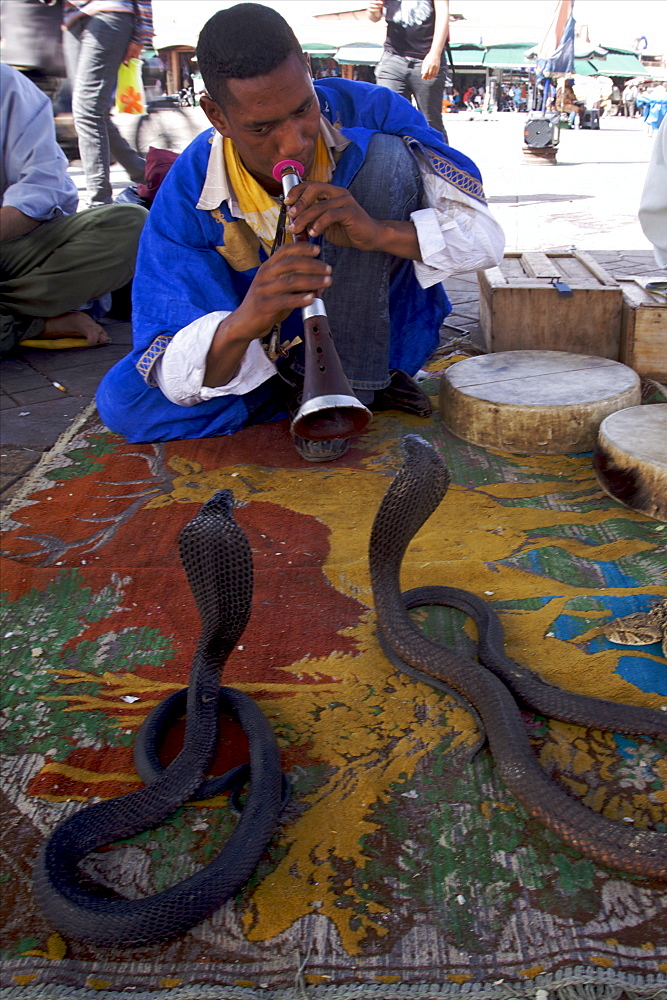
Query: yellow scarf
point(258, 208)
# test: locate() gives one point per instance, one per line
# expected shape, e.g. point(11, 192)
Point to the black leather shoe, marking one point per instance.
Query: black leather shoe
point(404, 394)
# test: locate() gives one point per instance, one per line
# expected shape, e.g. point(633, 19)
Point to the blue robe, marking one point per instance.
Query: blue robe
point(180, 276)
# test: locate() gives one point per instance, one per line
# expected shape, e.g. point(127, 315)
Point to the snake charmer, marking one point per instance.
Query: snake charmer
point(390, 212)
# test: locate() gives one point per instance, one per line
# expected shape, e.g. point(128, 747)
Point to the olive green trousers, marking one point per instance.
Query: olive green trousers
point(63, 264)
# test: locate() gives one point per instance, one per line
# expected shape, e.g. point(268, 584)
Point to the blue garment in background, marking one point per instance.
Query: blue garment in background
point(33, 167)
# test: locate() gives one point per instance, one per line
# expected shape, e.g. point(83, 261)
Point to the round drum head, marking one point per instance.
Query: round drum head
point(535, 402)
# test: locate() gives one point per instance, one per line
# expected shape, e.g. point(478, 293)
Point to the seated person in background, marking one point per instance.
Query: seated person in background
point(52, 261)
point(391, 211)
point(568, 103)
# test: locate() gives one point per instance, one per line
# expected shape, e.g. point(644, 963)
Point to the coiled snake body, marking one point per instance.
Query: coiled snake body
point(217, 559)
point(413, 495)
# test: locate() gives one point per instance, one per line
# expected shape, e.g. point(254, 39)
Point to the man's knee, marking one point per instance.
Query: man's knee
point(123, 218)
point(118, 226)
point(390, 148)
point(132, 219)
point(389, 184)
point(109, 236)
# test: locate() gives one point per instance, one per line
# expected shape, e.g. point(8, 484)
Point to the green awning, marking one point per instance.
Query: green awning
point(584, 67)
point(459, 46)
point(467, 54)
point(617, 63)
point(359, 54)
point(508, 56)
point(319, 50)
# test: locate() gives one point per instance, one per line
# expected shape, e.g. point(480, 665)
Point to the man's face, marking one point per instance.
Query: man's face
point(270, 118)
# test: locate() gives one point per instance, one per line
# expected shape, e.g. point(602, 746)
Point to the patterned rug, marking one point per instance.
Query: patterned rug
point(402, 868)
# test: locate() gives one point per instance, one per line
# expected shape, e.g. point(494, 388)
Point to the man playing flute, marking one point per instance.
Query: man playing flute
point(391, 212)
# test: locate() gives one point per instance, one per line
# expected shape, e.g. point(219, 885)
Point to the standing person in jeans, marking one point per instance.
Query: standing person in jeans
point(412, 63)
point(99, 36)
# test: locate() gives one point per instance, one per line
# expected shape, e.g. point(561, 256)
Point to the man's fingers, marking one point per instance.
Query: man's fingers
point(295, 281)
point(320, 206)
point(275, 305)
point(291, 268)
point(304, 195)
point(321, 214)
point(298, 256)
point(297, 250)
point(302, 282)
point(290, 279)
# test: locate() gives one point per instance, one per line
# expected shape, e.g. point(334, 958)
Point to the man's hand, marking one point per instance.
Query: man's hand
point(14, 223)
point(374, 9)
point(432, 60)
point(430, 66)
point(332, 212)
point(326, 210)
point(134, 50)
point(288, 280)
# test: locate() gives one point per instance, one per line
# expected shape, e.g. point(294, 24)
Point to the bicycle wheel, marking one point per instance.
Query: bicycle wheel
point(165, 128)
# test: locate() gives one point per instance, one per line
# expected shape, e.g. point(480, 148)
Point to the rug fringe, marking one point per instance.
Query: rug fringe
point(578, 983)
point(588, 991)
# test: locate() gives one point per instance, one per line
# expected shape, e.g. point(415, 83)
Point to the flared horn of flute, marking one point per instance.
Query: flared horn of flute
point(329, 408)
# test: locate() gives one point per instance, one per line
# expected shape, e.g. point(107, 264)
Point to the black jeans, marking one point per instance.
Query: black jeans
point(404, 76)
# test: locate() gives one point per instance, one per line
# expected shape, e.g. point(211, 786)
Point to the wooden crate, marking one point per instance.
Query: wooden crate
point(520, 309)
point(644, 330)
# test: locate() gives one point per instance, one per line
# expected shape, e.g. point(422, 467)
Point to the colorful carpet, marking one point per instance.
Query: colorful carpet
point(402, 868)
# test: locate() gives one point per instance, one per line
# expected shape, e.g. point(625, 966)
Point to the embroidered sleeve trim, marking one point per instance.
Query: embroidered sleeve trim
point(461, 179)
point(150, 356)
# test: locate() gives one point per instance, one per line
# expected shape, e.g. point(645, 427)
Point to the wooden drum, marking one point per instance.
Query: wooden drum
point(630, 458)
point(535, 402)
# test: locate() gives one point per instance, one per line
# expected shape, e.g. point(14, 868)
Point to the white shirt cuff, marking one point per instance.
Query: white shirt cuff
point(449, 248)
point(179, 372)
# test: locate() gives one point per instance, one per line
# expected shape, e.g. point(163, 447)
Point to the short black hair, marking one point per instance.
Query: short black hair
point(242, 42)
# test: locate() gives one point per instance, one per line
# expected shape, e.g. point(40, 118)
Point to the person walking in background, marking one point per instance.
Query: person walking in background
point(412, 63)
point(99, 36)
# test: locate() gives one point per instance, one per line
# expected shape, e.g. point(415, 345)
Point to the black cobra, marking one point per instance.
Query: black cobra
point(495, 685)
point(217, 559)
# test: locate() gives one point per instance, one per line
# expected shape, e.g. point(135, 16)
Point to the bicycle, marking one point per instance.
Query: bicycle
point(166, 124)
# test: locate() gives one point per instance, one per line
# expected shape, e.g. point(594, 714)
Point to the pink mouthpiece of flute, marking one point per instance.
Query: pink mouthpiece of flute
point(283, 165)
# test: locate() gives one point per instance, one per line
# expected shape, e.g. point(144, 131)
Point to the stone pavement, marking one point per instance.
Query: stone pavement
point(588, 199)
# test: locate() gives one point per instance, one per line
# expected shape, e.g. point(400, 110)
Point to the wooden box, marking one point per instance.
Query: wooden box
point(520, 307)
point(644, 330)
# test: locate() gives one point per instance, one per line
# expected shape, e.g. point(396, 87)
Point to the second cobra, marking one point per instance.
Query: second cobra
point(493, 686)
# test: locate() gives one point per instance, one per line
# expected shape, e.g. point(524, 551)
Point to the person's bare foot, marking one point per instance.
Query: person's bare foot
point(75, 324)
